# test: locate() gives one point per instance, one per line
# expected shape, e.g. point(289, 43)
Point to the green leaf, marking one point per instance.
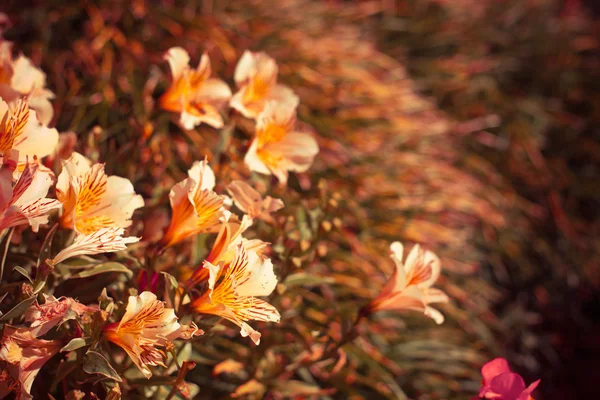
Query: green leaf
point(171, 285)
point(10, 232)
point(18, 310)
point(39, 286)
point(75, 344)
point(102, 268)
point(96, 363)
point(64, 369)
point(307, 280)
point(45, 252)
point(171, 281)
point(23, 272)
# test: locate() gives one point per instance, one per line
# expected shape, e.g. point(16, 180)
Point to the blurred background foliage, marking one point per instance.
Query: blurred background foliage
point(470, 126)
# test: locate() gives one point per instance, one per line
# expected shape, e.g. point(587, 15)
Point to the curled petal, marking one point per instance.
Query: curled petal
point(104, 240)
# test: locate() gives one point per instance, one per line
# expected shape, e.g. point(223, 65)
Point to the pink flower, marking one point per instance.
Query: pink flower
point(24, 356)
point(502, 384)
point(54, 312)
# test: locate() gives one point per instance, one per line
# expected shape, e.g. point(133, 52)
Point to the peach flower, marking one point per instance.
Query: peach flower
point(19, 77)
point(193, 93)
point(93, 200)
point(278, 147)
point(196, 208)
point(145, 327)
point(410, 286)
point(233, 287)
point(256, 77)
point(20, 130)
point(251, 202)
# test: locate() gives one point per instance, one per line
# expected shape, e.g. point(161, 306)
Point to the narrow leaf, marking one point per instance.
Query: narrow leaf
point(10, 232)
point(23, 272)
point(18, 310)
point(75, 344)
point(307, 280)
point(102, 268)
point(45, 252)
point(96, 363)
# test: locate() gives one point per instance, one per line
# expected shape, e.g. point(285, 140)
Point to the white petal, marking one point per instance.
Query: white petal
point(245, 67)
point(203, 175)
point(254, 162)
point(178, 60)
point(262, 280)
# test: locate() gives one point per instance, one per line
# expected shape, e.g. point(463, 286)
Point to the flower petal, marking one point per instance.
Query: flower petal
point(178, 60)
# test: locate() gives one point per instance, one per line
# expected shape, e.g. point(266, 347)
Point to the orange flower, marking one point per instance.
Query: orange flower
point(20, 130)
point(224, 248)
point(196, 208)
point(256, 77)
point(278, 148)
point(25, 202)
point(146, 326)
point(250, 201)
point(410, 286)
point(193, 93)
point(19, 77)
point(23, 355)
point(91, 199)
point(232, 290)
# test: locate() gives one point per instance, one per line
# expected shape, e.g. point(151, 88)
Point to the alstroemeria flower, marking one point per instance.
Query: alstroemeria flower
point(232, 290)
point(193, 93)
point(24, 356)
point(25, 202)
point(278, 148)
point(224, 249)
point(410, 286)
point(53, 312)
point(251, 202)
point(196, 208)
point(20, 130)
point(145, 326)
point(256, 77)
point(501, 384)
point(104, 240)
point(93, 200)
point(19, 77)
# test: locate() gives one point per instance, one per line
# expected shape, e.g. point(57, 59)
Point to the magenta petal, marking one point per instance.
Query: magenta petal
point(529, 390)
point(493, 368)
point(509, 385)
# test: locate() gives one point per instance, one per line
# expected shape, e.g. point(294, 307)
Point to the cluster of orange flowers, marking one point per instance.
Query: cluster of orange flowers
point(98, 209)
